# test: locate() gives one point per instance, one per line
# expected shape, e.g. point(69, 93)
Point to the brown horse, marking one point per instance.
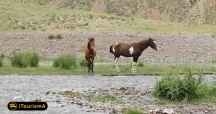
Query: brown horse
point(90, 54)
point(131, 50)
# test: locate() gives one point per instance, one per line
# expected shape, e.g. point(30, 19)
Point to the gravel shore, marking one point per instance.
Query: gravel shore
point(71, 94)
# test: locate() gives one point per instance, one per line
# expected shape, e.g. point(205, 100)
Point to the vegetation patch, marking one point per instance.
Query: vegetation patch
point(65, 62)
point(133, 111)
point(82, 63)
point(57, 37)
point(105, 98)
point(79, 68)
point(187, 88)
point(25, 59)
point(1, 60)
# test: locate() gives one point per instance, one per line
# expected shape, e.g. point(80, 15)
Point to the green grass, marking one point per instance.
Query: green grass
point(37, 16)
point(185, 88)
point(25, 59)
point(65, 62)
point(109, 69)
point(1, 60)
point(158, 69)
point(133, 111)
point(45, 67)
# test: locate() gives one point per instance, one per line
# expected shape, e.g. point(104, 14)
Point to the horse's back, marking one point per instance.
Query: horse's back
point(122, 49)
point(123, 46)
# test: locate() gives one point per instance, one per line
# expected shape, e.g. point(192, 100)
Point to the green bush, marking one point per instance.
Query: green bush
point(178, 89)
point(1, 64)
point(33, 59)
point(25, 59)
point(1, 60)
point(65, 62)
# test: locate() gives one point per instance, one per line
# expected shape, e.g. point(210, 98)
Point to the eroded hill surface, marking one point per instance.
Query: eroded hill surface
point(172, 48)
point(108, 15)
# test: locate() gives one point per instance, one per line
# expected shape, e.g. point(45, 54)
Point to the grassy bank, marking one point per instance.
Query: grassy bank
point(29, 63)
point(34, 16)
point(109, 70)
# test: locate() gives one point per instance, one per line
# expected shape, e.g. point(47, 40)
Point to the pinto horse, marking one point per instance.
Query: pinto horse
point(133, 50)
point(90, 54)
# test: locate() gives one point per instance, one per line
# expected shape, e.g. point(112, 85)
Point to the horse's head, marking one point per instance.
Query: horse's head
point(113, 46)
point(112, 49)
point(91, 42)
point(91, 39)
point(152, 44)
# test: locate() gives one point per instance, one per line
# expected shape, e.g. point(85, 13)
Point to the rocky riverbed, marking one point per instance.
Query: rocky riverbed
point(90, 94)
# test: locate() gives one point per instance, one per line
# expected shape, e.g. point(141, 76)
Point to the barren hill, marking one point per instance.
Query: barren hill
point(108, 15)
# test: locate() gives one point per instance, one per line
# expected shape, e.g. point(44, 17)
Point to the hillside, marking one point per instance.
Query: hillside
point(108, 15)
point(187, 11)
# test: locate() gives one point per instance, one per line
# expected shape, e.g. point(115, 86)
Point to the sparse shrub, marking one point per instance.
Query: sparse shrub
point(59, 36)
point(1, 64)
point(207, 91)
point(213, 60)
point(25, 59)
point(212, 91)
point(33, 59)
point(65, 62)
point(105, 98)
point(78, 4)
point(178, 89)
point(51, 36)
point(132, 111)
point(82, 63)
point(1, 60)
point(140, 64)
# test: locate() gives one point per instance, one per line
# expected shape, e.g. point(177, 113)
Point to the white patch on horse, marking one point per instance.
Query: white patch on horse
point(113, 49)
point(131, 50)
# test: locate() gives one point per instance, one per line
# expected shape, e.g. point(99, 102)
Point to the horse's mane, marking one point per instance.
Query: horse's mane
point(142, 41)
point(146, 41)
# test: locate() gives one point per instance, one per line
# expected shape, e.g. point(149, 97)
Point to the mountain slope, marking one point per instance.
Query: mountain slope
point(60, 15)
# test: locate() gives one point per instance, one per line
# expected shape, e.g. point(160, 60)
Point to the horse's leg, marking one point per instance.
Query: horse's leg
point(89, 66)
point(134, 63)
point(116, 64)
point(92, 65)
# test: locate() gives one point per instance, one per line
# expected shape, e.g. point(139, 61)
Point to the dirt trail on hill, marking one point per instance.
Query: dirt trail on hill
point(173, 48)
